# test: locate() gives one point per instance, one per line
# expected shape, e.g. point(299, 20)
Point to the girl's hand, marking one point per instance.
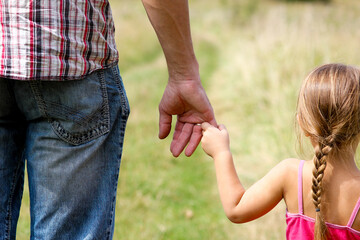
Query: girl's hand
point(215, 140)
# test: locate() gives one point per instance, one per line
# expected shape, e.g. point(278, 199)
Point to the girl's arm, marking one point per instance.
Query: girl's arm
point(241, 205)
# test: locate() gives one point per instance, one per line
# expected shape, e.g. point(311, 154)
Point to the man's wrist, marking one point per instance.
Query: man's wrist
point(184, 72)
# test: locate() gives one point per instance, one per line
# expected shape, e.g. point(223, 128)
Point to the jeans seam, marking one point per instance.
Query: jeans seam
point(125, 109)
point(39, 98)
point(11, 198)
point(113, 204)
point(105, 104)
point(123, 121)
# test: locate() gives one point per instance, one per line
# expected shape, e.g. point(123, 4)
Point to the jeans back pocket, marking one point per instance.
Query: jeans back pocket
point(78, 110)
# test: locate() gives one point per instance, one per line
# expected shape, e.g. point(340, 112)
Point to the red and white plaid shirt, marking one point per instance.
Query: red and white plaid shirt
point(55, 39)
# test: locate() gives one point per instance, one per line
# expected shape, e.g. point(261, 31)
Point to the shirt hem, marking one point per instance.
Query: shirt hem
point(59, 78)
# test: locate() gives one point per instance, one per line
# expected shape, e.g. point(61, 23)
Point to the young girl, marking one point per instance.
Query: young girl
point(321, 196)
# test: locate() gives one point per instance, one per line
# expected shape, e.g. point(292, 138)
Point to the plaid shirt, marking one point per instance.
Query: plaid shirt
point(55, 39)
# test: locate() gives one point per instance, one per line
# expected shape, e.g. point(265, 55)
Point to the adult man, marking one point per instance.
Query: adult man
point(71, 132)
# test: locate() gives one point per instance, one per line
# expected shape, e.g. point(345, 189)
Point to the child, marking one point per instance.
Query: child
point(326, 189)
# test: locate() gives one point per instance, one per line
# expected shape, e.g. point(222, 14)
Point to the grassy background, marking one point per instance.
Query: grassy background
point(253, 56)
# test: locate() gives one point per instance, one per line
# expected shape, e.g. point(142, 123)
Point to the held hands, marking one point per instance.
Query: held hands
point(187, 100)
point(215, 140)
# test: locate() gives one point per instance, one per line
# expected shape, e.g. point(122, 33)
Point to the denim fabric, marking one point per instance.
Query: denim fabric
point(71, 134)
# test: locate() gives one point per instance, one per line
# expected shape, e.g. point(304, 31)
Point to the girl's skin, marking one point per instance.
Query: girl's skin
point(342, 178)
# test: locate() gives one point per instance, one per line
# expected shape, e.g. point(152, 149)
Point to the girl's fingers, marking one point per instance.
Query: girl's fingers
point(205, 126)
point(222, 127)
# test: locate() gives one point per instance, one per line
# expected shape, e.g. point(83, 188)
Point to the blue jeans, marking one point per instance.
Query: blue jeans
point(71, 134)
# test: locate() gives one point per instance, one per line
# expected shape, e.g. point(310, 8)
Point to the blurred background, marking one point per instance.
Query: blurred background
point(253, 56)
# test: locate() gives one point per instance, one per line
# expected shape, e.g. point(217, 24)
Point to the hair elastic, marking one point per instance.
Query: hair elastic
point(317, 209)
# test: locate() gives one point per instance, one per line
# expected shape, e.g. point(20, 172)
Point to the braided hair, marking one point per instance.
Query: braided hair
point(328, 112)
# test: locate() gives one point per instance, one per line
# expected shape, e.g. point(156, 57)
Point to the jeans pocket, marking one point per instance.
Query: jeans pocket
point(78, 110)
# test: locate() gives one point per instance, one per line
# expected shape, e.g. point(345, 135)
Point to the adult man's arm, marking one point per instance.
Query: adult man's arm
point(184, 95)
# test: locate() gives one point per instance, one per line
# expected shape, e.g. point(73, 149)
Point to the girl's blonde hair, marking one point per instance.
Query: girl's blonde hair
point(328, 112)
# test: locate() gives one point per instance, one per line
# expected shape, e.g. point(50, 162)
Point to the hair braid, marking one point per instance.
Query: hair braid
point(322, 150)
point(328, 112)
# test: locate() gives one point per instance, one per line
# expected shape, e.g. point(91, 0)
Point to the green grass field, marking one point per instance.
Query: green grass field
point(253, 56)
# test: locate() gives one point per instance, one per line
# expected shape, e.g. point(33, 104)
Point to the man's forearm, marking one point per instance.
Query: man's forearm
point(170, 19)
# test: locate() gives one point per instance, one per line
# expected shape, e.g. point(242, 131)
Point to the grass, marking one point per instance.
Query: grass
point(253, 56)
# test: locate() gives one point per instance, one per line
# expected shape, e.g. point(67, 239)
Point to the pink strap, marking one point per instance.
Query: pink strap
point(354, 213)
point(300, 187)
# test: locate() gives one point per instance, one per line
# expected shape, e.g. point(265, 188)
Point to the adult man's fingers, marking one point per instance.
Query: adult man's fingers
point(213, 122)
point(194, 140)
point(164, 125)
point(181, 138)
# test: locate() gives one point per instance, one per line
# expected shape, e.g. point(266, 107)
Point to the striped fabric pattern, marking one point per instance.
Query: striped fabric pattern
point(55, 39)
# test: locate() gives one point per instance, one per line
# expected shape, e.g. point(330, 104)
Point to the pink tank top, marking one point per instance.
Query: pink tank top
point(301, 227)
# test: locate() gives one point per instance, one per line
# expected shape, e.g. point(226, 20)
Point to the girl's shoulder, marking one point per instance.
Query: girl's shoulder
point(286, 168)
point(290, 165)
point(287, 171)
point(290, 169)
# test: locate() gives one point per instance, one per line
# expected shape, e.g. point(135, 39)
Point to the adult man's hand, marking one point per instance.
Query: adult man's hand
point(184, 95)
point(186, 99)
